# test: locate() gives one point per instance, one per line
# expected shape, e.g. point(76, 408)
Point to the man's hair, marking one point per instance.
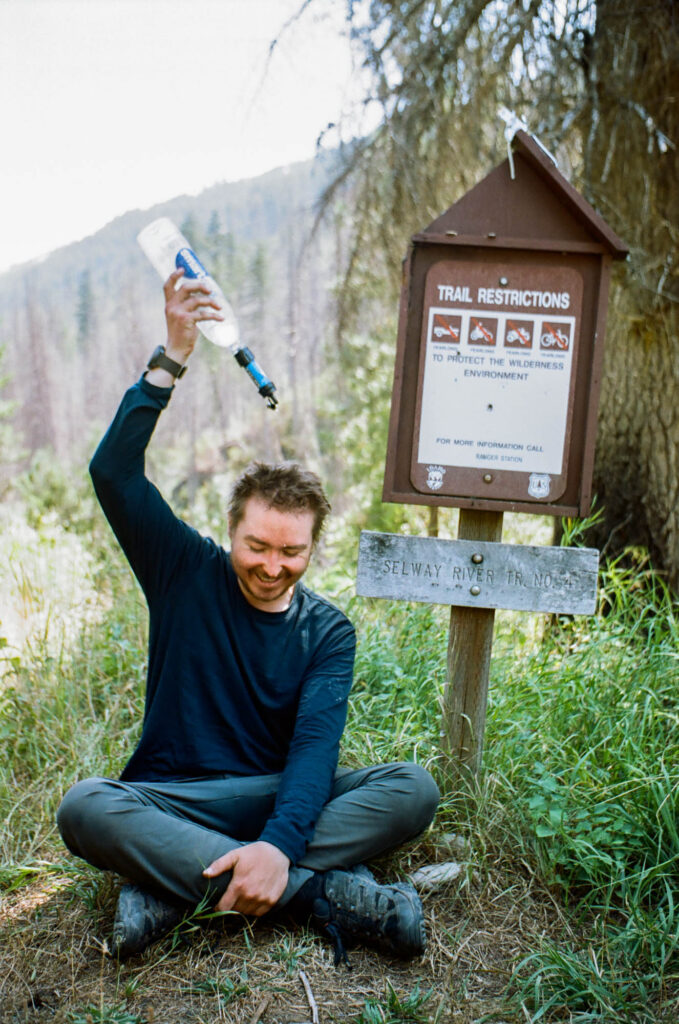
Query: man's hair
point(286, 486)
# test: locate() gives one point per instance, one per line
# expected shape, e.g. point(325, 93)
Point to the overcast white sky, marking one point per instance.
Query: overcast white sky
point(111, 105)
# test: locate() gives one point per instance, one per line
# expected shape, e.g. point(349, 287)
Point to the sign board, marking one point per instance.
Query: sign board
point(499, 355)
point(478, 574)
point(497, 338)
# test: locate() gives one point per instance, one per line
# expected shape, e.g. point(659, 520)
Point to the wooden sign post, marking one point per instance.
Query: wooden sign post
point(470, 643)
point(496, 385)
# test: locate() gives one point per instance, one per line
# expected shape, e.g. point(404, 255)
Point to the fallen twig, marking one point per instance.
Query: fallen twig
point(259, 1012)
point(310, 997)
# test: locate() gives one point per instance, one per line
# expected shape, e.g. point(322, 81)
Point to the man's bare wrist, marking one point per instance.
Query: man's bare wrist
point(159, 378)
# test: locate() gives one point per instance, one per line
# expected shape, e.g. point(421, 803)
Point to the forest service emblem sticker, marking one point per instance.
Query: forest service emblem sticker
point(434, 477)
point(539, 485)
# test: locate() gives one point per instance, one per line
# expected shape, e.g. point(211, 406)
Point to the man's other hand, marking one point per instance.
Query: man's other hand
point(258, 880)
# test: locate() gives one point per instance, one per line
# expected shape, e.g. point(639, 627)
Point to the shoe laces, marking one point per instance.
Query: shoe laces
point(334, 933)
point(322, 914)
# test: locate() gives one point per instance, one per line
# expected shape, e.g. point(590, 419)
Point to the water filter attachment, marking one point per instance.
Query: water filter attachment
point(193, 268)
point(167, 249)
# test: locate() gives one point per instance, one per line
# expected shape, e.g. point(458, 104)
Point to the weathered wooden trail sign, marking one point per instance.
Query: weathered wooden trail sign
point(494, 404)
point(478, 574)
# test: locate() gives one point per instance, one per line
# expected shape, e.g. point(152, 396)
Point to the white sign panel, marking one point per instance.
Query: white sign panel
point(498, 359)
point(510, 377)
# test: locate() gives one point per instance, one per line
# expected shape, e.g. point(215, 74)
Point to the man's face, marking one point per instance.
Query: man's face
point(270, 550)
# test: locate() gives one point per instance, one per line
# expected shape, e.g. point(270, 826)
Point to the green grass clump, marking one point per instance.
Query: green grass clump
point(585, 740)
point(71, 701)
point(224, 989)
point(400, 660)
point(104, 1015)
point(395, 1009)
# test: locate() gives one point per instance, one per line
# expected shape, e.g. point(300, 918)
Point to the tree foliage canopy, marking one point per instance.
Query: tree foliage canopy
point(598, 84)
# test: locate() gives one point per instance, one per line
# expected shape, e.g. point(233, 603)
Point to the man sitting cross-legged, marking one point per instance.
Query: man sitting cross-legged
point(233, 795)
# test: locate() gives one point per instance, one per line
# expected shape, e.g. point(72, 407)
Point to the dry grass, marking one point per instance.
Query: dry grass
point(53, 963)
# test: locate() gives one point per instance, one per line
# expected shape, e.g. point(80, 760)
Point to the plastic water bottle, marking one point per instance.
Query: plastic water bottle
point(167, 249)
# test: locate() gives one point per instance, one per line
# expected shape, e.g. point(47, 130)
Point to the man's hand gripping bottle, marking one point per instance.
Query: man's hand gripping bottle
point(167, 249)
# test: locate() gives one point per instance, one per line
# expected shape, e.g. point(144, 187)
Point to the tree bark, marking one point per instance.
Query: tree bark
point(631, 146)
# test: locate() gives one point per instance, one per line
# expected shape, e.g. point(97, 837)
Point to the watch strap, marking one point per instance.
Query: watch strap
point(163, 361)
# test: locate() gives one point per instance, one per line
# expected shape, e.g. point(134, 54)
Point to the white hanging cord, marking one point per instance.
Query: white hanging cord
point(513, 124)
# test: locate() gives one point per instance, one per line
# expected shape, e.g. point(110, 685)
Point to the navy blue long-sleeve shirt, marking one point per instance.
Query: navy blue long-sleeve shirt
point(231, 690)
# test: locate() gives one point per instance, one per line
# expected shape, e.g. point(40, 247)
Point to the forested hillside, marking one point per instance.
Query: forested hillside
point(77, 327)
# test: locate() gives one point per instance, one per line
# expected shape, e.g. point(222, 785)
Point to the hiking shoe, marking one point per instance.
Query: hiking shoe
point(354, 907)
point(141, 918)
point(363, 871)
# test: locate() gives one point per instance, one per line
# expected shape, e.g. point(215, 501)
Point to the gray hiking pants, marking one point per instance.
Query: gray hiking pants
point(162, 835)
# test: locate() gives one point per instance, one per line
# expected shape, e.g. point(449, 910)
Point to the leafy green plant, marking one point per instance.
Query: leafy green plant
point(394, 1009)
point(289, 949)
point(582, 983)
point(589, 843)
point(104, 1015)
point(225, 990)
point(51, 492)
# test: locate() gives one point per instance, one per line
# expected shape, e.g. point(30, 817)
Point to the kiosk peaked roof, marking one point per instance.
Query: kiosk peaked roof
point(536, 207)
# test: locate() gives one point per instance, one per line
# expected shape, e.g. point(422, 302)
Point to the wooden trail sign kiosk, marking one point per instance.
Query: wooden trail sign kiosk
point(494, 405)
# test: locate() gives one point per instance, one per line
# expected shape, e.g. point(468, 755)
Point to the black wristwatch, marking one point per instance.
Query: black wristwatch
point(159, 359)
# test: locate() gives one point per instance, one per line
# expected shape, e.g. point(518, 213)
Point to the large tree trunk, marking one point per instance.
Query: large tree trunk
point(632, 173)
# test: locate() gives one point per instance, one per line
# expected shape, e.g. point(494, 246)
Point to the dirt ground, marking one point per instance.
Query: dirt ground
point(54, 967)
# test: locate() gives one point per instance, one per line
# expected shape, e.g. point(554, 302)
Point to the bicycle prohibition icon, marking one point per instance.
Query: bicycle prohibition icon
point(554, 338)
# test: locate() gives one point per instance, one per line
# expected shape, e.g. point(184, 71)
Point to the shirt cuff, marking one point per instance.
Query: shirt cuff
point(288, 840)
point(153, 391)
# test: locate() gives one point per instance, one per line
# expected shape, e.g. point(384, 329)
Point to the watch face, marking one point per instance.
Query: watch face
point(155, 357)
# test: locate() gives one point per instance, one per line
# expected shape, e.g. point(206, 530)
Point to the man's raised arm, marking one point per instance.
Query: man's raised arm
point(145, 526)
